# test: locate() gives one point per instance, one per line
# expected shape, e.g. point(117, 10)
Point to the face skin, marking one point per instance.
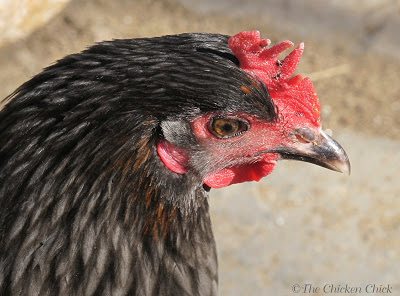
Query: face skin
point(243, 153)
point(252, 153)
point(237, 147)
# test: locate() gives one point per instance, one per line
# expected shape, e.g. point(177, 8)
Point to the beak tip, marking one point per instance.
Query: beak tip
point(339, 159)
point(342, 165)
point(346, 169)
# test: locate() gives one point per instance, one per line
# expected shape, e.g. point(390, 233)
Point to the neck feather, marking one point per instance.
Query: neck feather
point(110, 209)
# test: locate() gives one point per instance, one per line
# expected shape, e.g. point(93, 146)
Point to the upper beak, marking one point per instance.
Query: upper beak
point(318, 148)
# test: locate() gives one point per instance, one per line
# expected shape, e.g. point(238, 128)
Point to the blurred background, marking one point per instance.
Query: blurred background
point(303, 224)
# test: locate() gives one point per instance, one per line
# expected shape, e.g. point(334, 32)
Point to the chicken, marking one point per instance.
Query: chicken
point(107, 158)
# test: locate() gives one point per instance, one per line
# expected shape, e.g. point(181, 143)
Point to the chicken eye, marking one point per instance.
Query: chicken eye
point(228, 127)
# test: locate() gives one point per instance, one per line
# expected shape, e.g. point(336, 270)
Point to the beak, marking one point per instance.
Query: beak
point(317, 148)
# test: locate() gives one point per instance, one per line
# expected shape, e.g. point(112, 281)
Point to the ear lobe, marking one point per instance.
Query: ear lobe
point(174, 158)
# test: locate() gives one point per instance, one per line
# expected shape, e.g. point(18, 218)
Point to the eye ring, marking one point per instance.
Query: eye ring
point(227, 127)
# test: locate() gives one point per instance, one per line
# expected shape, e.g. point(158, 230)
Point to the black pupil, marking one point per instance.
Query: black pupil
point(227, 127)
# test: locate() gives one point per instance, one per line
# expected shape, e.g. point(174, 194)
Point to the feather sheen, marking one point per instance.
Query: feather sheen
point(87, 207)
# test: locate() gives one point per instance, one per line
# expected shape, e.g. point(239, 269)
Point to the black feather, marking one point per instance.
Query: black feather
point(87, 208)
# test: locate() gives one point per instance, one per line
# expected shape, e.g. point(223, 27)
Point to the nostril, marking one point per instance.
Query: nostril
point(305, 135)
point(301, 139)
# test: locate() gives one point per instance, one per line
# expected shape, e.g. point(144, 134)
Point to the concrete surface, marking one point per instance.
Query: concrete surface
point(303, 224)
point(19, 18)
point(371, 25)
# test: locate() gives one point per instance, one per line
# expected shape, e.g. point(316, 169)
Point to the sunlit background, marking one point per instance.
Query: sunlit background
point(303, 224)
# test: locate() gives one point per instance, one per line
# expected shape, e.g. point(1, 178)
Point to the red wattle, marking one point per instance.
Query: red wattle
point(242, 173)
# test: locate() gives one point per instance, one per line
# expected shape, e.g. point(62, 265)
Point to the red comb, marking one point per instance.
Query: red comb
point(257, 58)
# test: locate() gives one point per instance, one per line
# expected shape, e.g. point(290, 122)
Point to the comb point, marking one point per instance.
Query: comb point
point(292, 60)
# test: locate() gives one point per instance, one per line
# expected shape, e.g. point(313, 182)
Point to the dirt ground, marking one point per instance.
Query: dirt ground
point(303, 224)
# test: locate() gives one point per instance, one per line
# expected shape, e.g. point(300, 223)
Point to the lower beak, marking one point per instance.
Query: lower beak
point(317, 148)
